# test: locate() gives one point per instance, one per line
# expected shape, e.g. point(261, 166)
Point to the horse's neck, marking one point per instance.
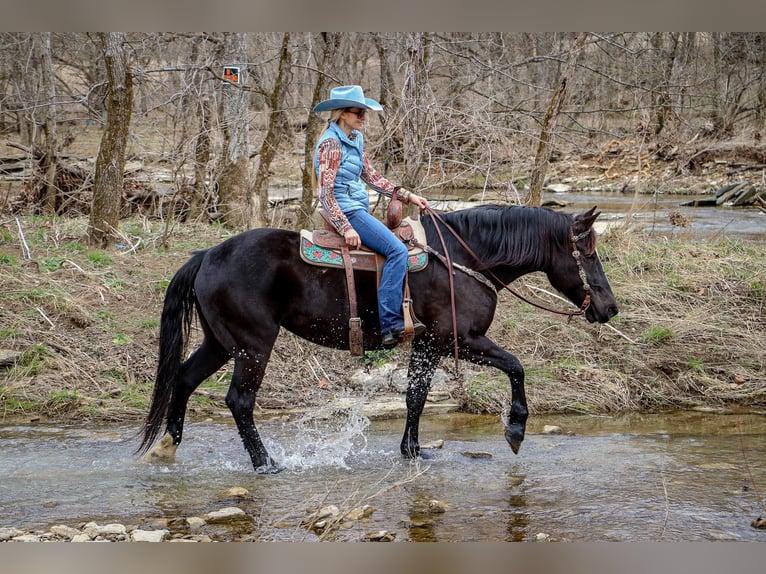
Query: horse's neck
point(519, 253)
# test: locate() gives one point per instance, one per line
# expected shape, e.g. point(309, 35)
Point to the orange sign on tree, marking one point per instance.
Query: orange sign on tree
point(231, 74)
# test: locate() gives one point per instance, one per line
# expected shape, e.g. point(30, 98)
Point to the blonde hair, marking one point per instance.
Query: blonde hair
point(334, 117)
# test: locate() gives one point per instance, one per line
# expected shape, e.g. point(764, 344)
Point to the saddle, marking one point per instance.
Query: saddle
point(327, 248)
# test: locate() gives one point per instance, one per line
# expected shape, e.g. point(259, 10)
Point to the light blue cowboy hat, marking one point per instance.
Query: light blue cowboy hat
point(347, 97)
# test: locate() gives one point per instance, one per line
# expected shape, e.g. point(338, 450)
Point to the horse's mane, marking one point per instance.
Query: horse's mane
point(506, 234)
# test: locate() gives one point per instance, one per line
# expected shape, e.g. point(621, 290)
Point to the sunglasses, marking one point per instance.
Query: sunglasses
point(358, 113)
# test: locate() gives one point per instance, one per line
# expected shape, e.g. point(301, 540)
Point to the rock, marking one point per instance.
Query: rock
point(434, 444)
point(64, 531)
point(8, 357)
point(436, 507)
point(92, 529)
point(542, 537)
point(558, 187)
point(327, 512)
point(236, 492)
point(226, 515)
point(26, 538)
point(379, 536)
point(759, 523)
point(477, 454)
point(552, 429)
point(81, 538)
point(360, 512)
point(148, 535)
point(8, 533)
point(195, 522)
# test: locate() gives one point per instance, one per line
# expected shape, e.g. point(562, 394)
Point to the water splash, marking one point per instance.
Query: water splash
point(326, 436)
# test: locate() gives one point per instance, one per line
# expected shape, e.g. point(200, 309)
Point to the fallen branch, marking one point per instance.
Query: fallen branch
point(746, 168)
point(25, 247)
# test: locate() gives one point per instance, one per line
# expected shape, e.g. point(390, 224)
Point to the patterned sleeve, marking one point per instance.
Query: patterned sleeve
point(379, 183)
point(330, 153)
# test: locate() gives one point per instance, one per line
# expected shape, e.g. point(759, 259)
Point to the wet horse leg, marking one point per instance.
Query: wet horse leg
point(423, 361)
point(245, 382)
point(205, 361)
point(483, 351)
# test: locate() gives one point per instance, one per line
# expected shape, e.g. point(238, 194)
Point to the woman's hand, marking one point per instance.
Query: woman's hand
point(415, 199)
point(352, 238)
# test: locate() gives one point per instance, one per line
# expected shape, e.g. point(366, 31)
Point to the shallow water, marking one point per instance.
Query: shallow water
point(649, 214)
point(681, 476)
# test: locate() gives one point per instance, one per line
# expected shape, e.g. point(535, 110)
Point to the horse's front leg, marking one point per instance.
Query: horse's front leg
point(423, 361)
point(483, 351)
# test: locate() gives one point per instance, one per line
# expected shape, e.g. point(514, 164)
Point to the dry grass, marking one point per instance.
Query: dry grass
point(690, 331)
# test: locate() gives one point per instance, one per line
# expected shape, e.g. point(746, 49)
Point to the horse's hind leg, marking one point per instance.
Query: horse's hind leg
point(205, 361)
point(423, 361)
point(245, 382)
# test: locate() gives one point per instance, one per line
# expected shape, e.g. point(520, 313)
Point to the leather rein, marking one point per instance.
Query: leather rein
point(448, 263)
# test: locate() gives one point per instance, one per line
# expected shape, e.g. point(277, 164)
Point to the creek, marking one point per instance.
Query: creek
point(682, 476)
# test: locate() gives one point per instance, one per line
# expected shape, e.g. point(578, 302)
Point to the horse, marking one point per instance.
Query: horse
point(246, 288)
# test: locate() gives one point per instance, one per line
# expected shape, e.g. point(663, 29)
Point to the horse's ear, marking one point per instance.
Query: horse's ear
point(585, 220)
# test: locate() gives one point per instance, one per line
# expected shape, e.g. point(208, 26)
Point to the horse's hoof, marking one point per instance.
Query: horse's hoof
point(164, 452)
point(269, 467)
point(514, 434)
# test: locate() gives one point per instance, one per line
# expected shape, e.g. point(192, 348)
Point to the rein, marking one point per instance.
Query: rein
point(446, 260)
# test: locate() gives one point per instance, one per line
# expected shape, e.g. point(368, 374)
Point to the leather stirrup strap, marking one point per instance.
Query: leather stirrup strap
point(409, 330)
point(355, 322)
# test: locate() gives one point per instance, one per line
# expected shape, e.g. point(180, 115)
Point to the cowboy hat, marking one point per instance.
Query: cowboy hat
point(347, 97)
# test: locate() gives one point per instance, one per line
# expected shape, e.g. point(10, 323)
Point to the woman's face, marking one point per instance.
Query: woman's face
point(353, 118)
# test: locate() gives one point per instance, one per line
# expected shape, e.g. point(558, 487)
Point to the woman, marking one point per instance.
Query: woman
point(343, 170)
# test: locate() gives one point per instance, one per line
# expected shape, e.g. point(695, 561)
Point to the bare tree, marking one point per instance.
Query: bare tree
point(49, 162)
point(258, 198)
point(330, 43)
point(232, 178)
point(414, 86)
point(110, 163)
point(543, 154)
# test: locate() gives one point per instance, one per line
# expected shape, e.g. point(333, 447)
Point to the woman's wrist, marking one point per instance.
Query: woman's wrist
point(402, 193)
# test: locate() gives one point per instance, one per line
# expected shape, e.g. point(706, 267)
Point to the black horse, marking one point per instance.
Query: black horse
point(249, 286)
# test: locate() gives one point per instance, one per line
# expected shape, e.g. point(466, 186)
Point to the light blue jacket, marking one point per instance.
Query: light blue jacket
point(350, 191)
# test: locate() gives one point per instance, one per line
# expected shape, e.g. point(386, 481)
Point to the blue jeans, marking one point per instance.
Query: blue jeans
point(375, 235)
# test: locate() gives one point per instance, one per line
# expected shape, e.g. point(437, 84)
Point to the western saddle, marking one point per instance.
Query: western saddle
point(364, 259)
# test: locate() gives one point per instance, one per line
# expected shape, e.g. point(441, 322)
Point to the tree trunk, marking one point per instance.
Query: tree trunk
point(390, 144)
point(415, 82)
point(258, 200)
point(232, 174)
point(542, 157)
point(48, 164)
point(110, 163)
point(313, 126)
point(201, 195)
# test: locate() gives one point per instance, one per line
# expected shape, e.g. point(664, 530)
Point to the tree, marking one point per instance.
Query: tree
point(232, 178)
point(543, 154)
point(110, 163)
point(330, 43)
point(48, 163)
point(258, 197)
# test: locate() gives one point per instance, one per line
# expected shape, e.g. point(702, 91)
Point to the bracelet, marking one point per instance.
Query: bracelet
point(405, 198)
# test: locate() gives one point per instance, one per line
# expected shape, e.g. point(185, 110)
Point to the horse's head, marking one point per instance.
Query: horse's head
point(578, 274)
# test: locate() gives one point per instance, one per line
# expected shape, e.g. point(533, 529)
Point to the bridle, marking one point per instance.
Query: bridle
point(448, 263)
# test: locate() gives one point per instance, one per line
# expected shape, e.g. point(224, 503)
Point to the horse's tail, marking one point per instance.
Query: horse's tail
point(175, 324)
